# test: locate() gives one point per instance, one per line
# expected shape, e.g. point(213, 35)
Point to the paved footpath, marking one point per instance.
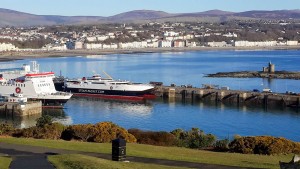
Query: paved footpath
point(34, 157)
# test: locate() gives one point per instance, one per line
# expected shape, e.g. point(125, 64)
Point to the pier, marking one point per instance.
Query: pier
point(16, 109)
point(224, 95)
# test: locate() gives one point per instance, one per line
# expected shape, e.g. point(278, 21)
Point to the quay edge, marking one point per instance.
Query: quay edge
point(16, 109)
point(248, 98)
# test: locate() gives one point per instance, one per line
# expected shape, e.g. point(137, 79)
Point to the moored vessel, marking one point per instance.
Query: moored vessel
point(107, 88)
point(32, 84)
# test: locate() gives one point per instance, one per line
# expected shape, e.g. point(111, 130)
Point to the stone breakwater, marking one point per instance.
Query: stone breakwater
point(257, 74)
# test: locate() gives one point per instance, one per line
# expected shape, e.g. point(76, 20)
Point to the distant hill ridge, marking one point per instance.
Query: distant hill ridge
point(15, 18)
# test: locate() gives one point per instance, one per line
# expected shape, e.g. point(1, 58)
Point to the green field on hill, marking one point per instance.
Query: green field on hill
point(158, 152)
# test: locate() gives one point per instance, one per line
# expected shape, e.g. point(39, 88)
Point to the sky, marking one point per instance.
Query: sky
point(113, 7)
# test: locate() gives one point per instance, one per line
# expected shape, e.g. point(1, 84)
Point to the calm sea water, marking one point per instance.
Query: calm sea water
point(179, 68)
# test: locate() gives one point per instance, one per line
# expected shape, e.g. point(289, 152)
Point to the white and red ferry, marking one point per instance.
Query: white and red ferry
point(107, 88)
point(32, 84)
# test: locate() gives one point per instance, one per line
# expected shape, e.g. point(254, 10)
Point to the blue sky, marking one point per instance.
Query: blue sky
point(112, 7)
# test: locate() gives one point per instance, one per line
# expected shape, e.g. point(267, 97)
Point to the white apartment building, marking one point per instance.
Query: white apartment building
point(7, 47)
point(191, 44)
point(56, 47)
point(216, 44)
point(291, 43)
point(250, 44)
point(91, 38)
point(93, 46)
point(110, 46)
point(78, 45)
point(164, 44)
point(128, 45)
point(152, 44)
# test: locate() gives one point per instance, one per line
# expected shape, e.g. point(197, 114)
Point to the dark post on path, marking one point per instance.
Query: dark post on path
point(118, 149)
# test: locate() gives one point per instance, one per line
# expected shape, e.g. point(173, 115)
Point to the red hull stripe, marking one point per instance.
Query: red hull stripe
point(149, 96)
point(114, 97)
point(40, 74)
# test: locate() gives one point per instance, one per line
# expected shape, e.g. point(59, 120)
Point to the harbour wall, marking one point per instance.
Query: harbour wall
point(16, 109)
point(229, 96)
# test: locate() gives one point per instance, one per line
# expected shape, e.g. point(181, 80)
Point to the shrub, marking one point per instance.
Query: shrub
point(264, 145)
point(108, 131)
point(6, 129)
point(84, 132)
point(181, 136)
point(103, 132)
point(195, 138)
point(222, 145)
point(52, 131)
point(154, 138)
point(42, 121)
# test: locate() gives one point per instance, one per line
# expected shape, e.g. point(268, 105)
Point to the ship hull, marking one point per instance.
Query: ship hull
point(112, 94)
point(52, 103)
point(46, 102)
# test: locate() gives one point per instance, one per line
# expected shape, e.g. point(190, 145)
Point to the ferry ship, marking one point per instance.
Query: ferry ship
point(32, 84)
point(107, 88)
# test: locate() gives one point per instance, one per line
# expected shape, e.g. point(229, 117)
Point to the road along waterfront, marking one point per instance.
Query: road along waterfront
point(181, 68)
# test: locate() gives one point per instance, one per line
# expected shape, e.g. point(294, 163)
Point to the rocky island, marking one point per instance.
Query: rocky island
point(267, 72)
point(258, 74)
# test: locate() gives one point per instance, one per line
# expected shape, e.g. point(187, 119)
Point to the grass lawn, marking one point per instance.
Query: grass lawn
point(4, 162)
point(70, 161)
point(170, 153)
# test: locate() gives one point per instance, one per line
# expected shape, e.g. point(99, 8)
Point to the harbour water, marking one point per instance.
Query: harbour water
point(182, 69)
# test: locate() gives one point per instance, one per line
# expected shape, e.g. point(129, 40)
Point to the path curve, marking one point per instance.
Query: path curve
point(34, 157)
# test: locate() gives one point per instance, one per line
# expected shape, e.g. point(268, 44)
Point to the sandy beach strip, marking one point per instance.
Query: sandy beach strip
point(15, 55)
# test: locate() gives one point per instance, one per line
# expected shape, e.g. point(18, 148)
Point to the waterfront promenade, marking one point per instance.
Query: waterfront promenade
point(14, 55)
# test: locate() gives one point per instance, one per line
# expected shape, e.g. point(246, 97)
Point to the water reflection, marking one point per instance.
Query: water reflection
point(58, 115)
point(100, 107)
point(20, 121)
point(228, 119)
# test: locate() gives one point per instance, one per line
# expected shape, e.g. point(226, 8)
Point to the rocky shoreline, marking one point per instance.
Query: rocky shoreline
point(14, 55)
point(258, 74)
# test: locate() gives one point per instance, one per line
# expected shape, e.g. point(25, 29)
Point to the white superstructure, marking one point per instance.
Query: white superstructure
point(32, 84)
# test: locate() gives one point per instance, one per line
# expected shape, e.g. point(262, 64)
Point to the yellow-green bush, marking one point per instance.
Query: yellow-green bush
point(107, 131)
point(159, 138)
point(6, 129)
point(103, 132)
point(48, 131)
point(264, 145)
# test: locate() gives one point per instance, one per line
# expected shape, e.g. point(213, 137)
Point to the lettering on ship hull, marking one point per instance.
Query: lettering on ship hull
point(90, 91)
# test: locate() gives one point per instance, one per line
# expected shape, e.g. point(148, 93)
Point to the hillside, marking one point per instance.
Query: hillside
point(16, 18)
